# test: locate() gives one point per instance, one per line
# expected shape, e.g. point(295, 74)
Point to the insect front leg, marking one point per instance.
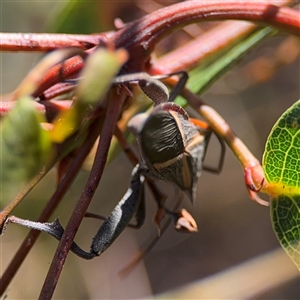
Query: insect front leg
point(151, 86)
point(121, 214)
point(112, 227)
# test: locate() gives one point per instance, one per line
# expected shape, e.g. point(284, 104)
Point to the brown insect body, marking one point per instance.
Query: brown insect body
point(172, 148)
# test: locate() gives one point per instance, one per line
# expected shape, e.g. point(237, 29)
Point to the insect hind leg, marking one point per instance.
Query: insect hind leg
point(219, 167)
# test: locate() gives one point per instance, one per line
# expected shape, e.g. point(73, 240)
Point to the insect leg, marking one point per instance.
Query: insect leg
point(121, 215)
point(151, 86)
point(176, 90)
point(183, 77)
point(219, 168)
point(207, 131)
point(139, 216)
point(109, 230)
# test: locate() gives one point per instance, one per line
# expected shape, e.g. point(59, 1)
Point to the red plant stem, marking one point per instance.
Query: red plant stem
point(160, 23)
point(62, 188)
point(56, 90)
point(70, 67)
point(46, 42)
point(6, 106)
point(141, 36)
point(205, 46)
point(217, 123)
point(202, 48)
point(113, 110)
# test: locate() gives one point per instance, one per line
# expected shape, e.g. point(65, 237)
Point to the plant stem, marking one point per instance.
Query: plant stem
point(252, 168)
point(141, 36)
point(62, 188)
point(217, 39)
point(113, 110)
point(47, 42)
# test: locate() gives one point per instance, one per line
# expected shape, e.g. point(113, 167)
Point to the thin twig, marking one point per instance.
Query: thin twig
point(62, 188)
point(113, 110)
point(47, 42)
point(140, 37)
point(252, 168)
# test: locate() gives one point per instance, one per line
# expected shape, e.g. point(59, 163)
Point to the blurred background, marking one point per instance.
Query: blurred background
point(235, 253)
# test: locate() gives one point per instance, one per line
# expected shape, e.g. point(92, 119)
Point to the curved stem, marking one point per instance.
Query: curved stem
point(253, 171)
point(205, 46)
point(141, 36)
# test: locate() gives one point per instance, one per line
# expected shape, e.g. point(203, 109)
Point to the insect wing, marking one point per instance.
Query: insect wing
point(172, 147)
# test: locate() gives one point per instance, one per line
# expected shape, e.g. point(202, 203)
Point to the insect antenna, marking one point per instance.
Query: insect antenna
point(218, 169)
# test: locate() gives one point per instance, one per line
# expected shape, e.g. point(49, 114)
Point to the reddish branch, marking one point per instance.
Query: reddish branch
point(47, 42)
point(58, 73)
point(140, 37)
point(202, 48)
point(52, 204)
point(113, 112)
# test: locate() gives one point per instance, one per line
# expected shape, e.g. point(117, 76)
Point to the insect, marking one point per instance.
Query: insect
point(172, 148)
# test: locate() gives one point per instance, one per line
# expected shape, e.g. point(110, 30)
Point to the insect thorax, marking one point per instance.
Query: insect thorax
point(173, 149)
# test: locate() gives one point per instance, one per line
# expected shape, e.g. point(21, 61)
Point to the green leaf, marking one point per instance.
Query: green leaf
point(100, 69)
point(285, 216)
point(282, 172)
point(24, 148)
point(282, 153)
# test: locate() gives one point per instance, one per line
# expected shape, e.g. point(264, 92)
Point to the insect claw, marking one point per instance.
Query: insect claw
point(4, 225)
point(251, 186)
